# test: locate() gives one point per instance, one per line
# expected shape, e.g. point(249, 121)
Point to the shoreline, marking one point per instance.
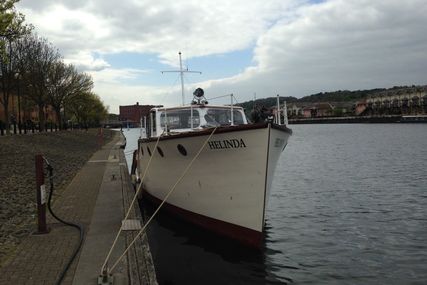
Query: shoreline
point(361, 120)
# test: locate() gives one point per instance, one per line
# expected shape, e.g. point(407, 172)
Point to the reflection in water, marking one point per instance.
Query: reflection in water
point(185, 254)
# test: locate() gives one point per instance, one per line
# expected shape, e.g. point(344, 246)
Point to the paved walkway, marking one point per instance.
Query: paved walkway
point(39, 259)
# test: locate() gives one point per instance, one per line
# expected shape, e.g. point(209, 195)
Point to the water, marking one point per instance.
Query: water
point(348, 206)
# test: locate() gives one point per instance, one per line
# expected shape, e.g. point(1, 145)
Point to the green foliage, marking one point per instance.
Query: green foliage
point(31, 64)
point(267, 102)
point(12, 25)
point(87, 109)
point(8, 15)
point(335, 96)
point(338, 112)
point(340, 96)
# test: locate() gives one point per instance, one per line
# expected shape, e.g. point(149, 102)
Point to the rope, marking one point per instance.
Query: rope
point(130, 207)
point(164, 200)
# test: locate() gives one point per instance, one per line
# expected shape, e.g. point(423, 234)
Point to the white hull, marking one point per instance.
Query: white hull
point(229, 182)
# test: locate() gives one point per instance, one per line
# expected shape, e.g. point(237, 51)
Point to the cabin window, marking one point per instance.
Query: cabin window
point(222, 117)
point(179, 119)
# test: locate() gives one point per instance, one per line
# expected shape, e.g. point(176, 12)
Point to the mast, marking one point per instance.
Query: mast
point(181, 73)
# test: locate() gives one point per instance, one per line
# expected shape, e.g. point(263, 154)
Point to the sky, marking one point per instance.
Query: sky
point(250, 48)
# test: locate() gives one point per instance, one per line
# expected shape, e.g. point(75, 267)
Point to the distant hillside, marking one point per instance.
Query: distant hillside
point(335, 96)
point(340, 96)
point(267, 102)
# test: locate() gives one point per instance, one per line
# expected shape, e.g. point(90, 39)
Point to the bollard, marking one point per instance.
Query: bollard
point(41, 196)
point(100, 137)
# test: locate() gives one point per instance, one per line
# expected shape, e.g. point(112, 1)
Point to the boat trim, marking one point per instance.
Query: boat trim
point(248, 237)
point(223, 129)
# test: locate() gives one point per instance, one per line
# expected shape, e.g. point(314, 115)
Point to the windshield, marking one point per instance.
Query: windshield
point(222, 117)
point(180, 119)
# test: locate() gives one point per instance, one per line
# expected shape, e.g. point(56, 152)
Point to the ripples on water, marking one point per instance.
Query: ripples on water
point(348, 206)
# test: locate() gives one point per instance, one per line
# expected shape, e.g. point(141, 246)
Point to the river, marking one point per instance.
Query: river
point(348, 206)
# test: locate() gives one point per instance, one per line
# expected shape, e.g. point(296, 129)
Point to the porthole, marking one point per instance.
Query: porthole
point(181, 149)
point(149, 151)
point(160, 151)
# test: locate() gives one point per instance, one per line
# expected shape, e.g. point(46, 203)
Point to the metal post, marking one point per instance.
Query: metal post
point(166, 122)
point(140, 126)
point(285, 114)
point(278, 120)
point(232, 118)
point(181, 73)
point(41, 196)
point(182, 79)
point(191, 119)
point(145, 126)
point(151, 124)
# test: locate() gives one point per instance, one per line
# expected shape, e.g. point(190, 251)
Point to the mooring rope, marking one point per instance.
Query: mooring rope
point(130, 207)
point(164, 200)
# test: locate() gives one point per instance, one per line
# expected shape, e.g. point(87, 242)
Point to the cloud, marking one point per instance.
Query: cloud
point(86, 61)
point(338, 45)
point(197, 27)
point(300, 47)
point(115, 76)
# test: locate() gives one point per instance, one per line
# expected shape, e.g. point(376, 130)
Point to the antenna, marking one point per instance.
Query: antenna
point(181, 72)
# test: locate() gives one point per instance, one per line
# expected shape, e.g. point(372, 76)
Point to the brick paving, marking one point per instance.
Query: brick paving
point(39, 259)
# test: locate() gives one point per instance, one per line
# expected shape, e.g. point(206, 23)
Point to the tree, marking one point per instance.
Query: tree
point(65, 82)
point(12, 27)
point(38, 59)
point(88, 109)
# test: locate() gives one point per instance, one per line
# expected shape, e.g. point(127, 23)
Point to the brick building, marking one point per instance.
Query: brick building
point(29, 111)
point(134, 113)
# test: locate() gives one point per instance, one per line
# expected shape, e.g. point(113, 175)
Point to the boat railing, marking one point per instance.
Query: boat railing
point(232, 99)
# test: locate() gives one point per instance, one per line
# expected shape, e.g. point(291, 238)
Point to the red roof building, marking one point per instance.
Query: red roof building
point(134, 113)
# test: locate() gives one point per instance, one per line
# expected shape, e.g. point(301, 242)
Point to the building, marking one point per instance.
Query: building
point(133, 114)
point(360, 107)
point(295, 110)
point(28, 111)
point(402, 101)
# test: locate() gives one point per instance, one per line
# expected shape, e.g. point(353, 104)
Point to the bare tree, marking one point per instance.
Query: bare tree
point(38, 58)
point(65, 82)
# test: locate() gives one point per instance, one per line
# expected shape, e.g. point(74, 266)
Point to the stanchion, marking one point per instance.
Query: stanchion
point(41, 197)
